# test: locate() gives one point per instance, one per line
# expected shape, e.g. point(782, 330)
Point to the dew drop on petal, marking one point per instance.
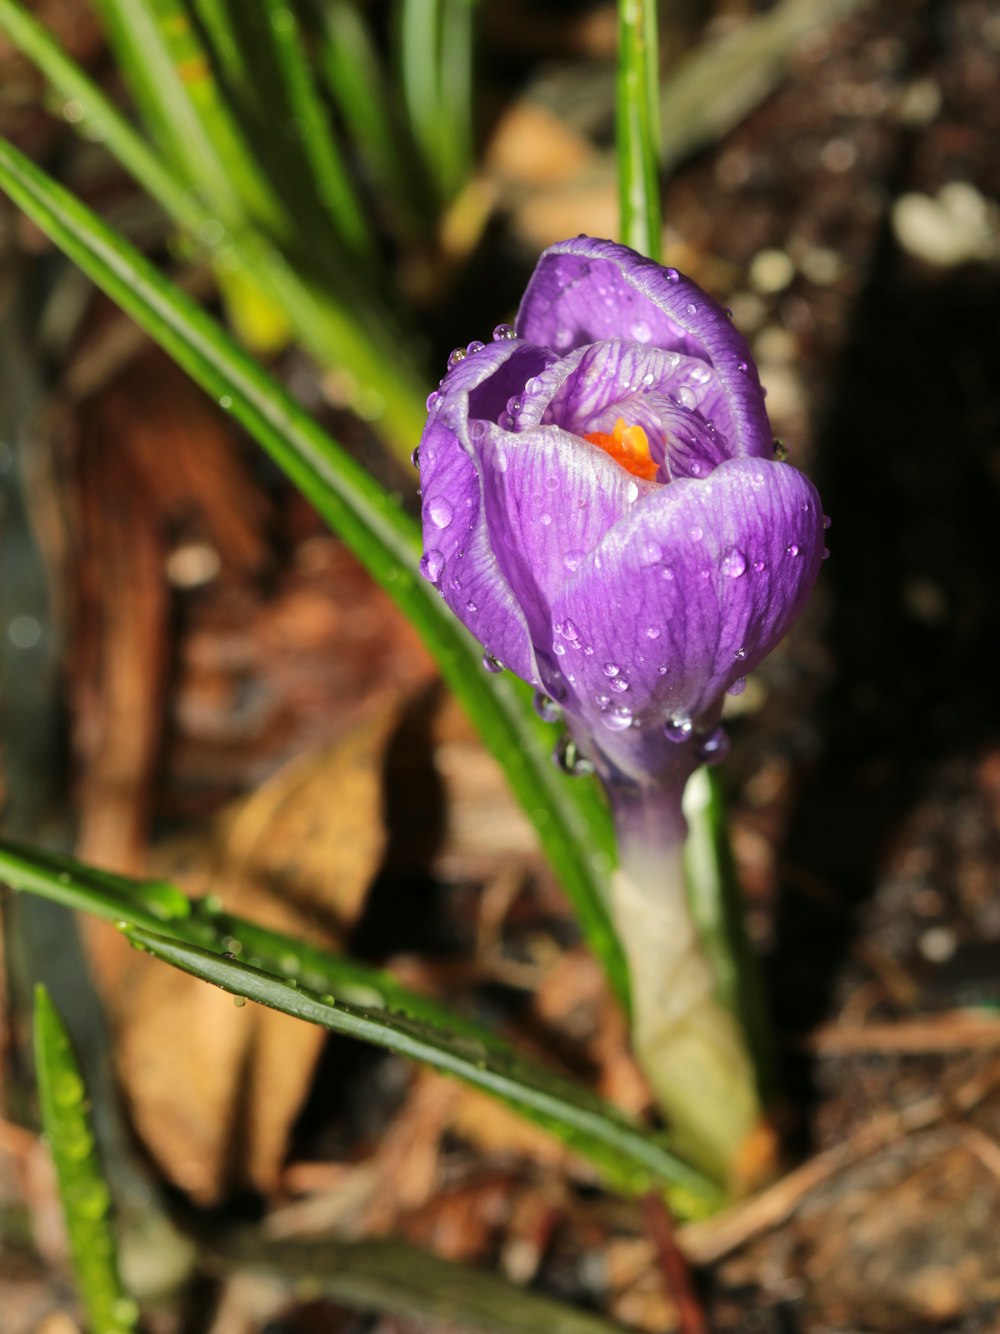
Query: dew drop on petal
point(569, 759)
point(825, 555)
point(734, 563)
point(545, 520)
point(678, 729)
point(415, 457)
point(792, 549)
point(740, 654)
point(662, 669)
point(652, 632)
point(474, 347)
point(827, 521)
point(696, 534)
point(558, 649)
point(671, 275)
point(441, 512)
point(572, 560)
point(456, 355)
point(632, 492)
point(503, 331)
point(432, 398)
point(691, 308)
point(472, 607)
point(611, 669)
point(617, 719)
point(760, 566)
point(492, 664)
point(667, 572)
point(514, 405)
point(478, 429)
point(686, 397)
point(714, 748)
point(737, 687)
point(563, 338)
point(652, 552)
point(619, 685)
point(431, 565)
point(546, 707)
point(779, 449)
point(641, 332)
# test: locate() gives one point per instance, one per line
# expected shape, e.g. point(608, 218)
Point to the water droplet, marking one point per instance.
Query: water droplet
point(662, 669)
point(632, 492)
point(503, 331)
point(456, 355)
point(740, 654)
point(691, 308)
point(432, 398)
point(514, 405)
point(667, 572)
point(678, 729)
point(559, 649)
point(455, 583)
point(545, 520)
point(478, 429)
point(737, 687)
point(618, 719)
point(827, 521)
point(671, 275)
point(792, 549)
point(415, 457)
point(652, 632)
point(474, 347)
point(714, 748)
point(239, 1001)
point(641, 332)
point(563, 338)
point(780, 449)
point(569, 758)
point(68, 1090)
point(440, 512)
point(571, 632)
point(225, 402)
point(572, 560)
point(611, 669)
point(686, 397)
point(651, 553)
point(760, 566)
point(432, 564)
point(648, 378)
point(619, 685)
point(741, 365)
point(825, 554)
point(531, 386)
point(546, 707)
point(734, 563)
point(696, 533)
point(472, 607)
point(492, 664)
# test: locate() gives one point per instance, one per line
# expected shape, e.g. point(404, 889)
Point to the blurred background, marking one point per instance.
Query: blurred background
point(197, 682)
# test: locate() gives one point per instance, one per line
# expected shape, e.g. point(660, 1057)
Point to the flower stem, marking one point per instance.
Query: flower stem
point(690, 1045)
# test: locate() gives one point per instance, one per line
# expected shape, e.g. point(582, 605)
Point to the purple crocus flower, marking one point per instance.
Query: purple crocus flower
point(603, 510)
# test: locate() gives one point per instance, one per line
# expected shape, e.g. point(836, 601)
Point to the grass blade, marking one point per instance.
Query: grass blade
point(332, 181)
point(82, 1189)
point(369, 521)
point(637, 126)
point(627, 1157)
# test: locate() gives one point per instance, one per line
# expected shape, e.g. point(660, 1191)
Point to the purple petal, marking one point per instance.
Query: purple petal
point(479, 387)
point(587, 290)
point(458, 555)
point(690, 591)
point(674, 398)
point(548, 499)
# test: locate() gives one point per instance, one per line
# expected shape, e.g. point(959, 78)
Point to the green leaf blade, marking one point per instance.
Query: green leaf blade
point(637, 119)
point(83, 1191)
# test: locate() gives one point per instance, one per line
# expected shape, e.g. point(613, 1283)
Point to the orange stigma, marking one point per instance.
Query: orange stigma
point(629, 446)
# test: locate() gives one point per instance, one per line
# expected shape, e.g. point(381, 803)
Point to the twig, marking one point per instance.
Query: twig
point(676, 1270)
point(957, 1030)
point(707, 1241)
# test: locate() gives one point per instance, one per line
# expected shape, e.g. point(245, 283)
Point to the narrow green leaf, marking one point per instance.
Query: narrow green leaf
point(370, 522)
point(627, 1157)
point(356, 82)
point(637, 126)
point(348, 330)
point(160, 906)
point(83, 1191)
point(392, 1276)
point(332, 180)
